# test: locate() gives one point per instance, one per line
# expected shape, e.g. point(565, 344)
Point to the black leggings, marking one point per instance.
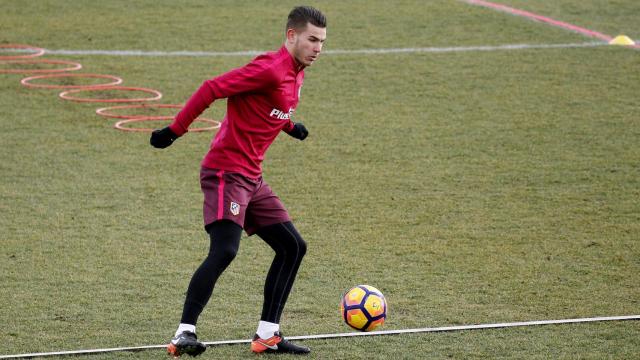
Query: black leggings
point(225, 240)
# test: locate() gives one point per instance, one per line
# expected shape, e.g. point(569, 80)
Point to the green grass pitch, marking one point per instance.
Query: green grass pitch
point(470, 187)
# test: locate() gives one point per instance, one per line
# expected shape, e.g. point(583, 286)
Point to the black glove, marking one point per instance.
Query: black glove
point(162, 138)
point(299, 131)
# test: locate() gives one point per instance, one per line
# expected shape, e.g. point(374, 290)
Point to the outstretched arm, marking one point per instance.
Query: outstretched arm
point(251, 77)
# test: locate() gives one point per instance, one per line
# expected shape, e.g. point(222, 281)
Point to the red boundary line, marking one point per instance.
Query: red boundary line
point(544, 19)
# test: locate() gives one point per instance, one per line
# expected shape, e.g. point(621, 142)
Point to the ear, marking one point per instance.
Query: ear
point(291, 35)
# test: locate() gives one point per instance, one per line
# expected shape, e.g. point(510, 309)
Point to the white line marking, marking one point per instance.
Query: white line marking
point(469, 327)
point(327, 52)
point(340, 335)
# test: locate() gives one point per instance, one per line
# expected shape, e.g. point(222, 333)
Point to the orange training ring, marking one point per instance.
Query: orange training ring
point(65, 94)
point(26, 81)
point(38, 51)
point(105, 111)
point(74, 66)
point(119, 124)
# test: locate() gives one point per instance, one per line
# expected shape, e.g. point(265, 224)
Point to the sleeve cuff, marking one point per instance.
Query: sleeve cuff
point(177, 129)
point(287, 128)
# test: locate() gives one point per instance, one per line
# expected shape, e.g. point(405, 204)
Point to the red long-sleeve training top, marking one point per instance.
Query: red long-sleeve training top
point(261, 97)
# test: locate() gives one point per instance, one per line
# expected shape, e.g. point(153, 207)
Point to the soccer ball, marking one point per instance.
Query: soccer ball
point(363, 308)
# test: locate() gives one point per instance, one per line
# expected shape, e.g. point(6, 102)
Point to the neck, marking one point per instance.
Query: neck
point(289, 48)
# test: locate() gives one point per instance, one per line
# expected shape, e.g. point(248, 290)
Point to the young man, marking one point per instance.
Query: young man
point(261, 98)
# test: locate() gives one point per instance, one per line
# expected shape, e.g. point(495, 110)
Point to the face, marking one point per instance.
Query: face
point(306, 44)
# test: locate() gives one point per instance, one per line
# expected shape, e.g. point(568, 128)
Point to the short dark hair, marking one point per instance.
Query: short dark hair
point(300, 16)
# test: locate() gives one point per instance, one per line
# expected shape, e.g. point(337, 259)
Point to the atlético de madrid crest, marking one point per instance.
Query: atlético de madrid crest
point(234, 208)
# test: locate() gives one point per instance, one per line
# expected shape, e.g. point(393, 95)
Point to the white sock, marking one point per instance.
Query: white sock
point(267, 329)
point(185, 327)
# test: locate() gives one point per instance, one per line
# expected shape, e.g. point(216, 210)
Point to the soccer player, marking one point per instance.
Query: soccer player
point(261, 98)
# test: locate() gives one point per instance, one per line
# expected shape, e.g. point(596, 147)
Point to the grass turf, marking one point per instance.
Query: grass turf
point(469, 187)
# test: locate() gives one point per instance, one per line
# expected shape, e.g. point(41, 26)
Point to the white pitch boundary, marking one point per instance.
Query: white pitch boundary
point(341, 335)
point(412, 50)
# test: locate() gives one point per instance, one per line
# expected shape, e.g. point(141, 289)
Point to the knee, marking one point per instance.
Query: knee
point(302, 246)
point(223, 250)
point(225, 241)
point(292, 248)
point(226, 254)
point(298, 242)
